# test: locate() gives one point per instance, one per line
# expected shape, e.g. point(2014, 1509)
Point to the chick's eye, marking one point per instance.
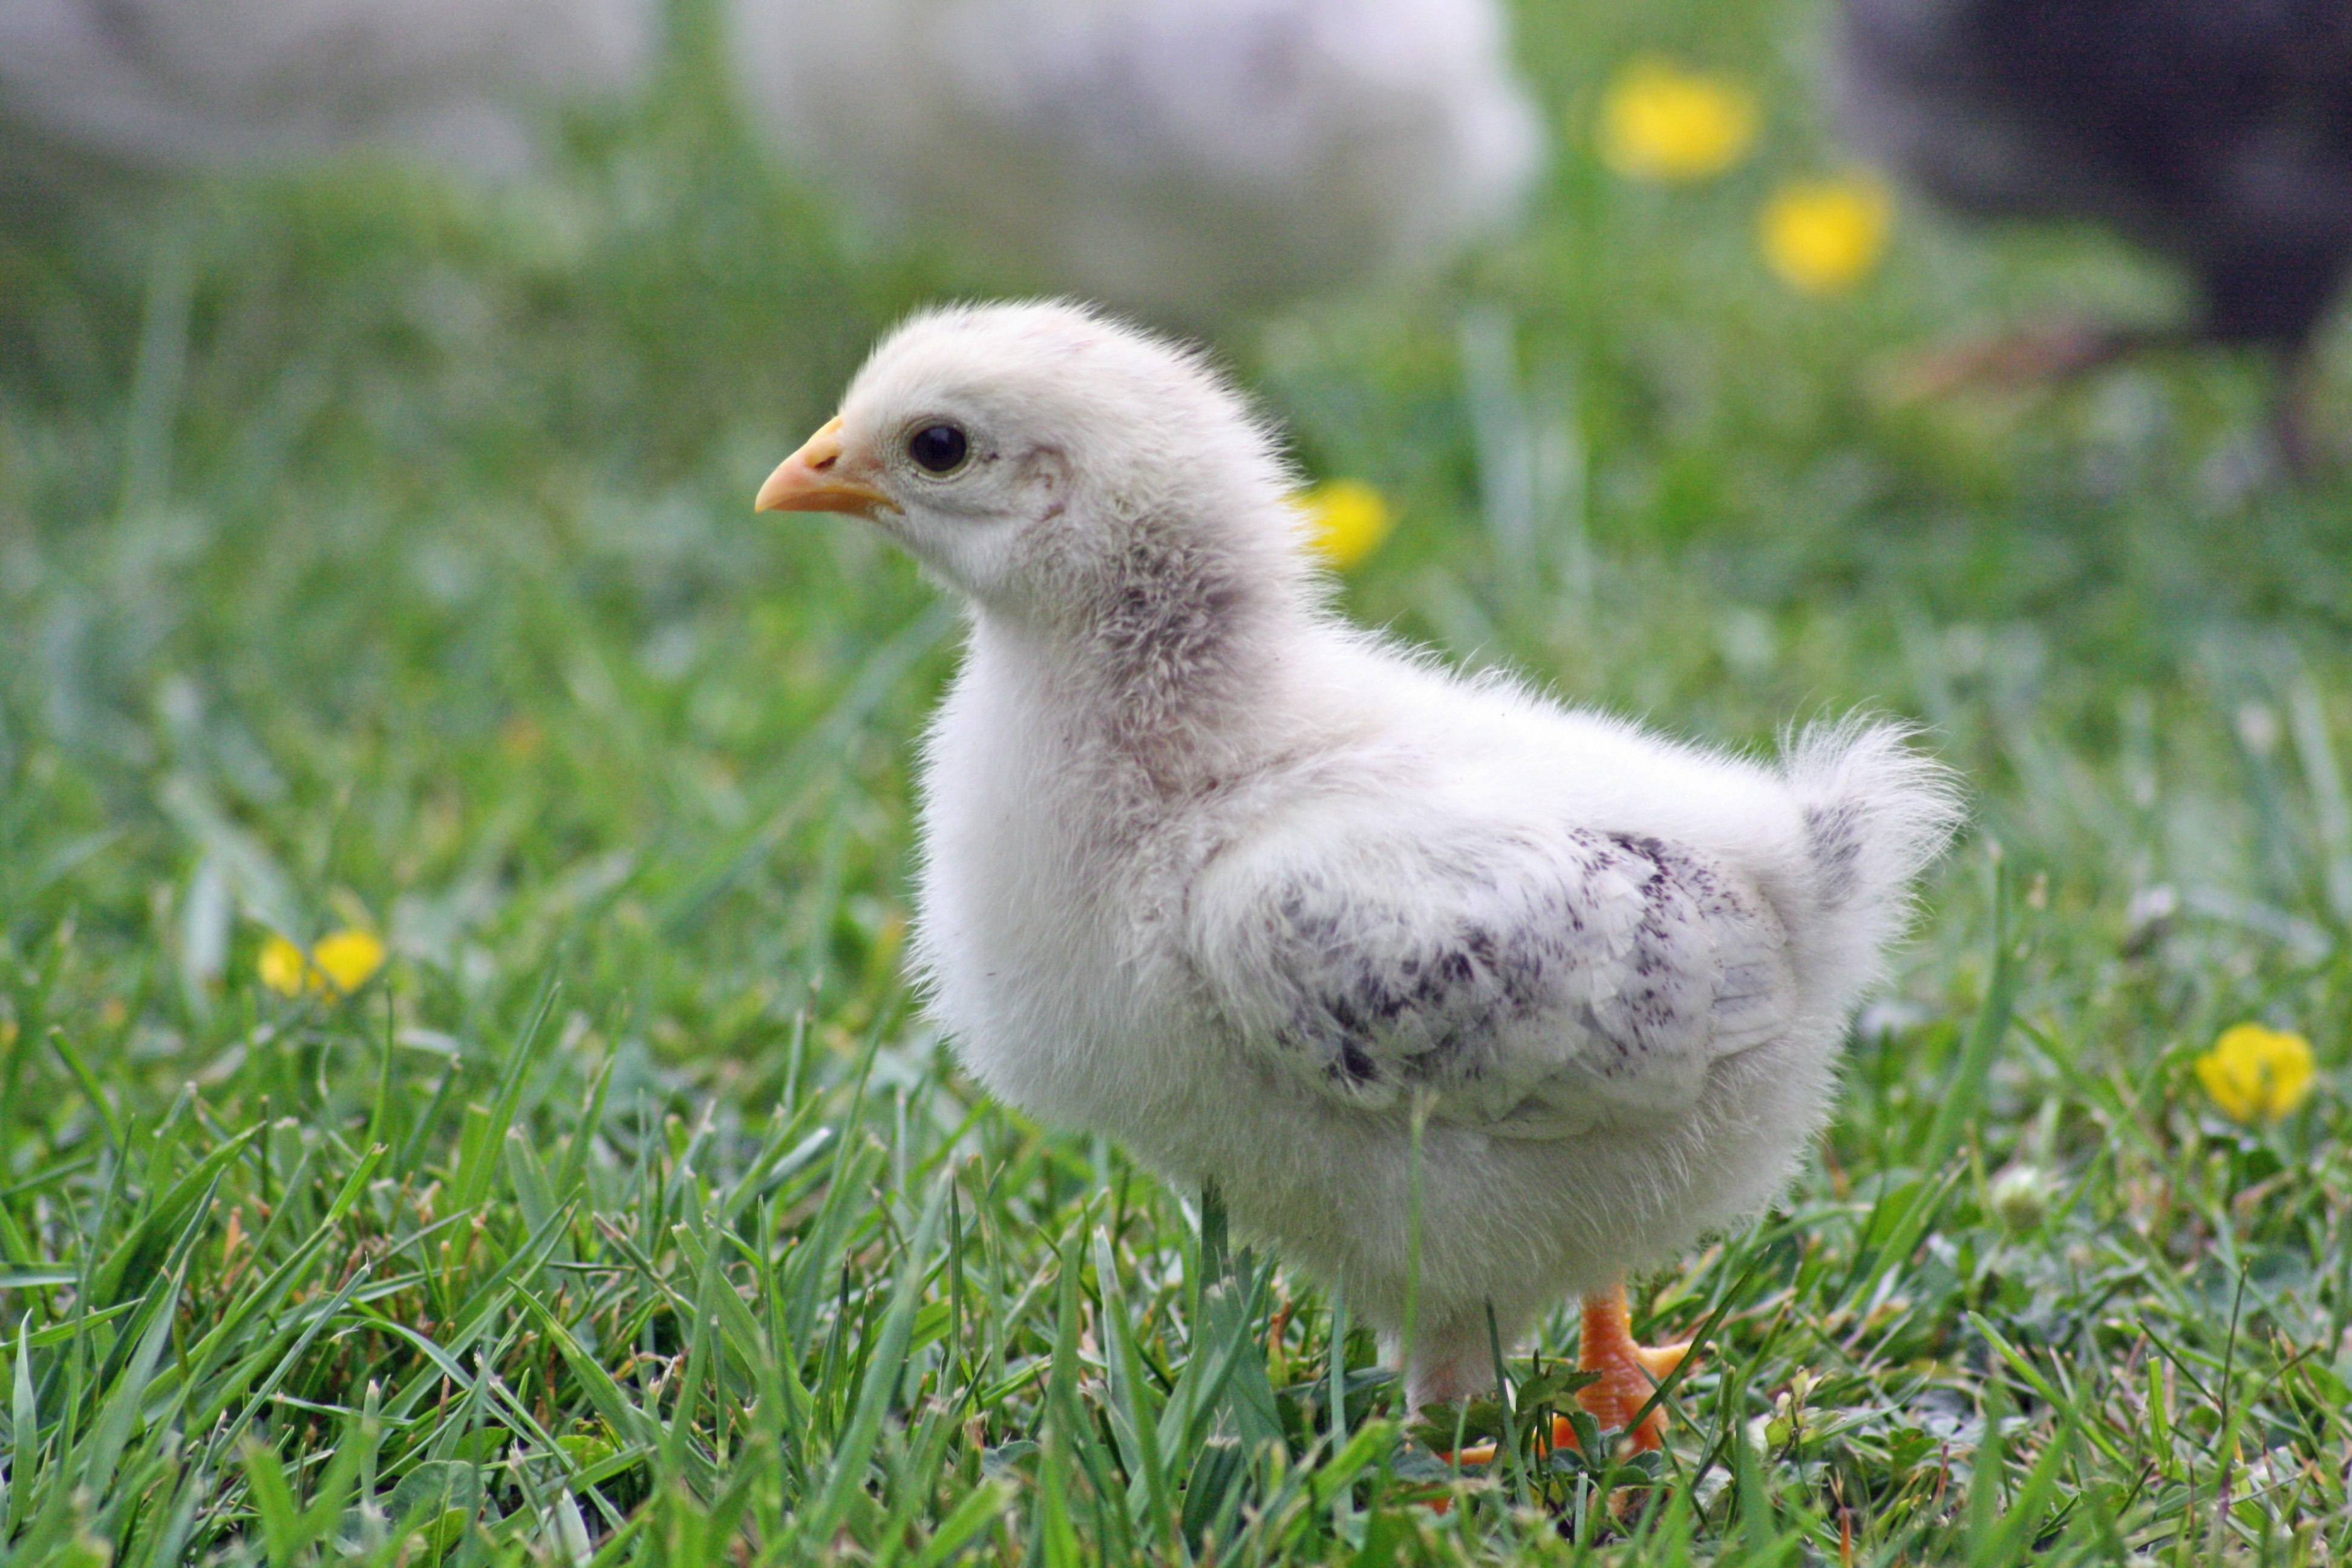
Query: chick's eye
point(938, 447)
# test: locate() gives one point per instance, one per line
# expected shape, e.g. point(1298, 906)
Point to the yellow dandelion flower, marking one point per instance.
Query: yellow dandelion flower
point(348, 958)
point(341, 962)
point(1824, 236)
point(1662, 122)
point(282, 966)
point(2257, 1074)
point(1345, 520)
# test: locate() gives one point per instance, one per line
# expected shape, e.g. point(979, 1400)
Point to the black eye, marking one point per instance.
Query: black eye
point(938, 447)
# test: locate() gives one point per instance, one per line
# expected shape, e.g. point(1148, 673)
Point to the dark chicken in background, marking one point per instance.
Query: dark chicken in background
point(2216, 132)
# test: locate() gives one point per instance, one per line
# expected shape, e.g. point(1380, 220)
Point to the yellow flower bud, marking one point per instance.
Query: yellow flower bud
point(282, 966)
point(1824, 236)
point(1345, 520)
point(2257, 1074)
point(1660, 122)
point(341, 962)
point(348, 958)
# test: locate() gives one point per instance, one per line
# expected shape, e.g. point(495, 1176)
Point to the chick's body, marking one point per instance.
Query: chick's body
point(1089, 947)
point(1209, 871)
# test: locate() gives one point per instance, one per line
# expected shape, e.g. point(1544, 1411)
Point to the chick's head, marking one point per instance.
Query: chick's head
point(1038, 457)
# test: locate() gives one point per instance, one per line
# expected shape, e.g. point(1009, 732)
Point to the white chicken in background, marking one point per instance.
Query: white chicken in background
point(1210, 871)
point(1188, 158)
point(171, 85)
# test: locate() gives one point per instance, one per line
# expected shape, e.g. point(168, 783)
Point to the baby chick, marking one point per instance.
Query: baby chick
point(1192, 158)
point(1254, 891)
point(2216, 133)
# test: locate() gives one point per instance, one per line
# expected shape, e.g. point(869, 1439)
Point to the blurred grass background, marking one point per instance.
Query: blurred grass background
point(375, 551)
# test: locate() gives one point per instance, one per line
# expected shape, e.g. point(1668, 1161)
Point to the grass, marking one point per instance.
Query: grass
point(374, 551)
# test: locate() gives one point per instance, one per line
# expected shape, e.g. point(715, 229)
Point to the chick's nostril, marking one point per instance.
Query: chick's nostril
point(825, 465)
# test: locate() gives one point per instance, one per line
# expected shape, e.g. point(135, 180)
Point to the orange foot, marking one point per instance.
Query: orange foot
point(1629, 1373)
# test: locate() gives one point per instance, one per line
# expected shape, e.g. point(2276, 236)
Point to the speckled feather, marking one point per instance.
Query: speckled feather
point(1532, 978)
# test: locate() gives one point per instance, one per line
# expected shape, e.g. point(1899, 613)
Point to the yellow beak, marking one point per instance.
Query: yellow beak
point(810, 480)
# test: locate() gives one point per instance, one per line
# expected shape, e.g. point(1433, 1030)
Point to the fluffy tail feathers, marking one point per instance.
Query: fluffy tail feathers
point(1875, 811)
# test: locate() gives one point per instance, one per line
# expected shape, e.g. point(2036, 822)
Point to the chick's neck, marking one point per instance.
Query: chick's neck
point(1170, 662)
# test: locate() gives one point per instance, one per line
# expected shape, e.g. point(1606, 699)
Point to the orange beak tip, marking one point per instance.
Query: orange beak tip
point(811, 481)
point(776, 490)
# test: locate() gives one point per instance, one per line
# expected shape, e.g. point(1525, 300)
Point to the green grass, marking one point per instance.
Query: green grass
point(376, 549)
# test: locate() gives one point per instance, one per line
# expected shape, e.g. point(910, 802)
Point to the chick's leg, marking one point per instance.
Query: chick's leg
point(1449, 1366)
point(1629, 1373)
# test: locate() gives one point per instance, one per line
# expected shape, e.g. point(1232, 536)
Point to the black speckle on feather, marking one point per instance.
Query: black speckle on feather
point(1435, 1014)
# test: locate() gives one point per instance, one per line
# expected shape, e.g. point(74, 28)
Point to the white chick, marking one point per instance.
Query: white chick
point(183, 84)
point(1187, 157)
point(1208, 870)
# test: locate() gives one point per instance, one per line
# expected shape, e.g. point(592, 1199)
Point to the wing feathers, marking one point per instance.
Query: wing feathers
point(1538, 984)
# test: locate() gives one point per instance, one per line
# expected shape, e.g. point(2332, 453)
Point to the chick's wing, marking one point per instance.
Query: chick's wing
point(1539, 981)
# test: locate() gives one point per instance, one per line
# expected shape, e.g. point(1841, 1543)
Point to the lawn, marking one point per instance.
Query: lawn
point(376, 555)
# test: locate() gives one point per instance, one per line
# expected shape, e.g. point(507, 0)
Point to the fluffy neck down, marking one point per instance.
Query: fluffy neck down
point(1163, 659)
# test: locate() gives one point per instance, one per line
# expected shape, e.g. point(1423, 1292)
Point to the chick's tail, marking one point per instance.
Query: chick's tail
point(1875, 811)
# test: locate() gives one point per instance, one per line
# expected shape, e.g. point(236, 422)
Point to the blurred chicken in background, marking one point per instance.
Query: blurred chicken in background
point(1187, 158)
point(172, 85)
point(2216, 132)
